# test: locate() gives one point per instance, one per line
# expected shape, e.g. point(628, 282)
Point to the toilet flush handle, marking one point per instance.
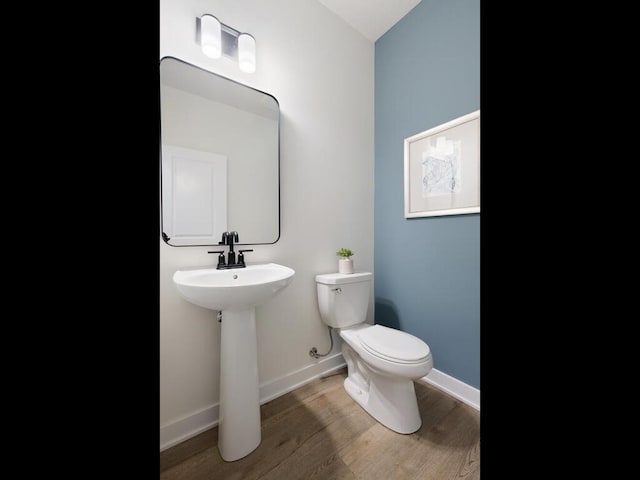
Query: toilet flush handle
point(337, 290)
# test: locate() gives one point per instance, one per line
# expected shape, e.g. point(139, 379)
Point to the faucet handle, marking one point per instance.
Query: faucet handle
point(220, 257)
point(241, 255)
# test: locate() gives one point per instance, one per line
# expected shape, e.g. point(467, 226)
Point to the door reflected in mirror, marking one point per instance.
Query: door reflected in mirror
point(220, 158)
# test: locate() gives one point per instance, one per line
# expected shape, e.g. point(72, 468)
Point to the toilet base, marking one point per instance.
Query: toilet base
point(390, 400)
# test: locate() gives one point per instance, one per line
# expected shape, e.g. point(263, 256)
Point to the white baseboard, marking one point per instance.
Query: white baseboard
point(195, 423)
point(189, 426)
point(454, 387)
point(290, 382)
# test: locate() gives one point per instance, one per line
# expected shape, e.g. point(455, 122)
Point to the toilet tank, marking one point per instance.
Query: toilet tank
point(343, 298)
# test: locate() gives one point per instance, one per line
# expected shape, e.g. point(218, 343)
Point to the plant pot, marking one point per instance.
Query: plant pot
point(345, 265)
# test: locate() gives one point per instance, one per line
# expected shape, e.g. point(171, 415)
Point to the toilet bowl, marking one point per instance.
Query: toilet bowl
point(382, 362)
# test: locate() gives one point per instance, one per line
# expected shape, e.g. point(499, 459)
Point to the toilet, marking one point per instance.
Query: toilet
point(382, 362)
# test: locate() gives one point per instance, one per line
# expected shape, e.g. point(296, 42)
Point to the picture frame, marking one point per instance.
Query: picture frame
point(442, 169)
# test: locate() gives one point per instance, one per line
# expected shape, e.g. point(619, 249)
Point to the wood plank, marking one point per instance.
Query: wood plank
point(383, 453)
point(470, 468)
point(281, 406)
point(181, 452)
point(317, 455)
point(319, 432)
point(450, 444)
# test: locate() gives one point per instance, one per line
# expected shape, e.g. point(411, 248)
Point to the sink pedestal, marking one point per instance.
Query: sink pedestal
point(239, 427)
point(235, 293)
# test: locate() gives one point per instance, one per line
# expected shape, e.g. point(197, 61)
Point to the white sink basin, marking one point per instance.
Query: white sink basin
point(234, 288)
point(236, 292)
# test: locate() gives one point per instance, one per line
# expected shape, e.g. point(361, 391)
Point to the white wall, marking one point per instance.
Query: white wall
point(321, 72)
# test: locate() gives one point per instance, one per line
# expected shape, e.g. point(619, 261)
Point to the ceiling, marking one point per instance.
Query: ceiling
point(372, 18)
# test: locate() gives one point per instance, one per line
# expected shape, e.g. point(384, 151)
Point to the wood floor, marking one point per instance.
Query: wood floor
point(319, 432)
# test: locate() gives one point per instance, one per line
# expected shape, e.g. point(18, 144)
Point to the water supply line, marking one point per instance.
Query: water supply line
point(314, 351)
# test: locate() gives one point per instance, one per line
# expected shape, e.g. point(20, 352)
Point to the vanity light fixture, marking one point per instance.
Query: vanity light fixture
point(210, 36)
point(217, 39)
point(247, 53)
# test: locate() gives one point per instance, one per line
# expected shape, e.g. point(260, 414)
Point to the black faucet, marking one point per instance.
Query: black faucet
point(227, 239)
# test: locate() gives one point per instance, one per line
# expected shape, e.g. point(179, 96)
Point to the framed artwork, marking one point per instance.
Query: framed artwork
point(442, 169)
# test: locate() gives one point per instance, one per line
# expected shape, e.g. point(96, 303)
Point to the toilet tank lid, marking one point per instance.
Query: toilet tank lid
point(341, 278)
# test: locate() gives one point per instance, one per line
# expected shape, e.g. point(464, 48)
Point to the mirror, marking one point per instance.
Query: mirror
point(220, 158)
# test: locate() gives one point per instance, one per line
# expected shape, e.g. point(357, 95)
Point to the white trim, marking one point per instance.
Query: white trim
point(188, 426)
point(454, 387)
point(297, 379)
point(197, 422)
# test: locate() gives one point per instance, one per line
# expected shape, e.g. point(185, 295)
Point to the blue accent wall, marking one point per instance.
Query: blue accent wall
point(427, 270)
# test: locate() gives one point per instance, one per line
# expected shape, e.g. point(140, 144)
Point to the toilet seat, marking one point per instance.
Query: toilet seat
point(393, 345)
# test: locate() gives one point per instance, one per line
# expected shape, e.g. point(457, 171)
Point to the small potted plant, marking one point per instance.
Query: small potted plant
point(345, 264)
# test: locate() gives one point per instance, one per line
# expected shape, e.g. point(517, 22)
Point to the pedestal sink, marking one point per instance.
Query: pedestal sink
point(236, 293)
